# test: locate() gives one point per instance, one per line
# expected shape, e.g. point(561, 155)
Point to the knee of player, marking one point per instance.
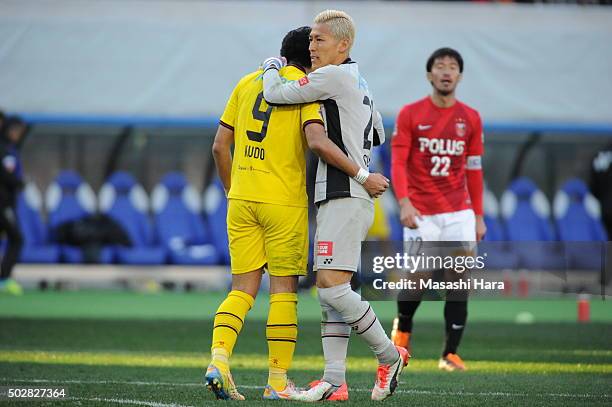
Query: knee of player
point(332, 278)
point(250, 289)
point(288, 284)
point(330, 295)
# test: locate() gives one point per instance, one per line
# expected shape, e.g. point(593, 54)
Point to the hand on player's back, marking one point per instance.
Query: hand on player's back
point(408, 214)
point(376, 184)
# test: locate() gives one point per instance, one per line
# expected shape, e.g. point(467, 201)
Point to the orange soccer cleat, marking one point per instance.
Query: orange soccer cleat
point(387, 376)
point(451, 362)
point(400, 338)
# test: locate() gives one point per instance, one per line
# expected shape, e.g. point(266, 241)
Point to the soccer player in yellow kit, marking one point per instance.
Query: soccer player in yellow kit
point(267, 219)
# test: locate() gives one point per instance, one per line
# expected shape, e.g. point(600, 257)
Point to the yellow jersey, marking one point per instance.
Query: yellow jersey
point(269, 163)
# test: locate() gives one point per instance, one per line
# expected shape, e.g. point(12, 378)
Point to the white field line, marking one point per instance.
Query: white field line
point(359, 390)
point(128, 401)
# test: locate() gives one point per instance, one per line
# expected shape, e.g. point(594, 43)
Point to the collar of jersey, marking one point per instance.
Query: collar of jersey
point(297, 67)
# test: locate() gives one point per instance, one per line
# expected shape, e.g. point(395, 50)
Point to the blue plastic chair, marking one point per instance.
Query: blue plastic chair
point(495, 245)
point(178, 223)
point(68, 199)
point(526, 212)
point(36, 246)
point(215, 211)
point(577, 216)
point(127, 203)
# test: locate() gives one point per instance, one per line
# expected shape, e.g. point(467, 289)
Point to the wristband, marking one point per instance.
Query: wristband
point(362, 176)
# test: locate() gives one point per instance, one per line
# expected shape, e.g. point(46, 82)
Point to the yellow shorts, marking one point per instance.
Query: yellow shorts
point(380, 227)
point(262, 233)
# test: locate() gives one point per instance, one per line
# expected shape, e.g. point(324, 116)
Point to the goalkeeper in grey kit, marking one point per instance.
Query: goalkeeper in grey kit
point(345, 209)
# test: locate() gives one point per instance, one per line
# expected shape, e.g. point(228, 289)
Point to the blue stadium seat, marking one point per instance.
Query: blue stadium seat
point(127, 203)
point(495, 232)
point(215, 210)
point(526, 211)
point(179, 226)
point(36, 247)
point(578, 213)
point(577, 216)
point(69, 199)
point(499, 254)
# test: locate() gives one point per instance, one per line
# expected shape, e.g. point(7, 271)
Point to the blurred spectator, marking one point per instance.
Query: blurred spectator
point(11, 182)
point(601, 184)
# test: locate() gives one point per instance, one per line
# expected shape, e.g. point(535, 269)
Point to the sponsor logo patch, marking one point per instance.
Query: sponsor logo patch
point(325, 248)
point(460, 128)
point(303, 81)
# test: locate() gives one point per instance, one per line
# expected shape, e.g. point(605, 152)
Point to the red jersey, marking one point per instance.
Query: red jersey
point(430, 148)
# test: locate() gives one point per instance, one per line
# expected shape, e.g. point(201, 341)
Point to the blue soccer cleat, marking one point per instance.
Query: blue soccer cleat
point(221, 384)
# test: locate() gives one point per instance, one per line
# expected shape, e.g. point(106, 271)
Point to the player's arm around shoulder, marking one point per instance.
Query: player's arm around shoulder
point(323, 147)
point(375, 184)
point(318, 85)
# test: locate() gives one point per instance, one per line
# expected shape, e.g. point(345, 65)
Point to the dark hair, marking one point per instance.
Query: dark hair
point(295, 47)
point(445, 52)
point(10, 121)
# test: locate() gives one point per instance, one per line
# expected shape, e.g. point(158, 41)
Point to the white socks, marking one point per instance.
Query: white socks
point(360, 316)
point(335, 334)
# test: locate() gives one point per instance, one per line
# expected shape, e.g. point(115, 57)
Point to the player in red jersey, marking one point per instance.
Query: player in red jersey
point(437, 178)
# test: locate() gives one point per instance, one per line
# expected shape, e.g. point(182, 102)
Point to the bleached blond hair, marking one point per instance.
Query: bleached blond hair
point(340, 24)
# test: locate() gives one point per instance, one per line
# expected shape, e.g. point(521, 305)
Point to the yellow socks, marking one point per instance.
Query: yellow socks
point(281, 332)
point(228, 324)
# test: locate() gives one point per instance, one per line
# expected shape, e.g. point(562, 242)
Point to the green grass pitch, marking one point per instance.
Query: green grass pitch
point(119, 348)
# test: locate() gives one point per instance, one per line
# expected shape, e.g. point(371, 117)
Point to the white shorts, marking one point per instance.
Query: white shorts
point(342, 224)
point(457, 226)
point(444, 227)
